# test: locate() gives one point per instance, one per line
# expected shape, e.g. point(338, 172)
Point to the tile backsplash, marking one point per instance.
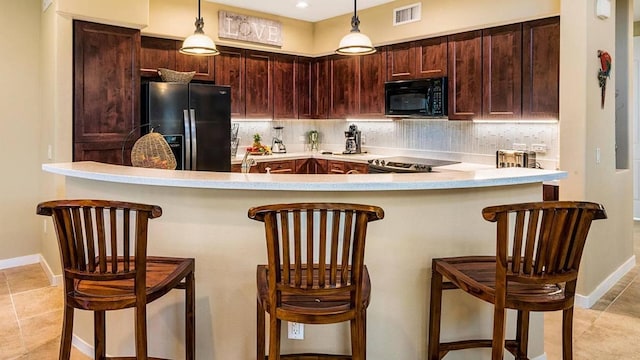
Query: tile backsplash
point(455, 140)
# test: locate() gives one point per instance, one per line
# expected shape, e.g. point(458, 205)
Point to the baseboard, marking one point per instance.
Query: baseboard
point(53, 279)
point(541, 357)
point(20, 261)
point(587, 301)
point(82, 346)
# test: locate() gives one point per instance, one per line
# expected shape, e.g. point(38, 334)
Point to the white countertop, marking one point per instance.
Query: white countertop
point(457, 176)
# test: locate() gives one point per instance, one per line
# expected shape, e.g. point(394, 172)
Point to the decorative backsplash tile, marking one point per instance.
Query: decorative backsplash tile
point(459, 140)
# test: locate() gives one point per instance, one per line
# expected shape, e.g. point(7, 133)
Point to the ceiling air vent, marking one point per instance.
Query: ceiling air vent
point(407, 14)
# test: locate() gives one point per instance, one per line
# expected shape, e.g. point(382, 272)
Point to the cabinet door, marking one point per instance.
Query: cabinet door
point(259, 86)
point(431, 57)
point(230, 70)
point(106, 96)
point(502, 72)
point(303, 166)
point(202, 65)
point(356, 168)
point(401, 62)
point(336, 167)
point(344, 86)
point(541, 69)
point(318, 166)
point(465, 75)
point(156, 53)
point(278, 167)
point(285, 99)
point(371, 84)
point(320, 84)
point(303, 87)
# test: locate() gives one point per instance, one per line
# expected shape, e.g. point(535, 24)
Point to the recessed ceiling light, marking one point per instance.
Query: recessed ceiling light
point(302, 4)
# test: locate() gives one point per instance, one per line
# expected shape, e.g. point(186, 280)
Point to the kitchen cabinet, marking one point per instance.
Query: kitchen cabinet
point(230, 70)
point(277, 167)
point(346, 167)
point(401, 61)
point(311, 166)
point(304, 97)
point(431, 57)
point(285, 87)
point(465, 75)
point(371, 78)
point(343, 91)
point(106, 88)
point(320, 84)
point(550, 192)
point(502, 72)
point(541, 68)
point(425, 58)
point(258, 84)
point(164, 53)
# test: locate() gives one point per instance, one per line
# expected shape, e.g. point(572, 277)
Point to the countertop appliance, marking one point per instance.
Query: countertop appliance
point(194, 119)
point(277, 146)
point(405, 164)
point(353, 144)
point(515, 158)
point(416, 98)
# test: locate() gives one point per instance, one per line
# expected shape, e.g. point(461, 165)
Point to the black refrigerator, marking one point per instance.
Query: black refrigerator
point(195, 119)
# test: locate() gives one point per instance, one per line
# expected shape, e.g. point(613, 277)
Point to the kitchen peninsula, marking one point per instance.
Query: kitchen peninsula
point(205, 216)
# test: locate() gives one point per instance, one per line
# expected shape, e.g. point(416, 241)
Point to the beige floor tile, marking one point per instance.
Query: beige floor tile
point(11, 345)
point(41, 329)
point(4, 285)
point(24, 278)
point(49, 350)
point(37, 302)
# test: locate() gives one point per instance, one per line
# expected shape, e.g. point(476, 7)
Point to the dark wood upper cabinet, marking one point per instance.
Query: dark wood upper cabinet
point(320, 85)
point(164, 53)
point(202, 65)
point(465, 75)
point(541, 69)
point(106, 87)
point(285, 87)
point(156, 53)
point(303, 87)
point(502, 72)
point(401, 61)
point(230, 70)
point(344, 86)
point(372, 72)
point(431, 57)
point(259, 84)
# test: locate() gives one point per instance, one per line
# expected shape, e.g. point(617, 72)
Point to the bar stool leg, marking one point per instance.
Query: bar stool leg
point(260, 331)
point(522, 334)
point(190, 317)
point(99, 342)
point(67, 333)
point(435, 307)
point(567, 334)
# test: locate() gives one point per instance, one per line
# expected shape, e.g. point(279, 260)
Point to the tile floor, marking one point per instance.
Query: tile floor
point(31, 313)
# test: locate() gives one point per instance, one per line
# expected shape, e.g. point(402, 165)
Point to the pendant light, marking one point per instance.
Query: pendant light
point(199, 43)
point(355, 42)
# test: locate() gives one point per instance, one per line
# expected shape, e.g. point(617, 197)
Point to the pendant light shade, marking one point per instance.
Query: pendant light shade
point(355, 42)
point(199, 43)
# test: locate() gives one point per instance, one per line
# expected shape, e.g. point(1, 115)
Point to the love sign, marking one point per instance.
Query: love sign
point(249, 28)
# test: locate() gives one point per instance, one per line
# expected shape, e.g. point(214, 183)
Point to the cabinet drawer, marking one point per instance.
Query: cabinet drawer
point(278, 167)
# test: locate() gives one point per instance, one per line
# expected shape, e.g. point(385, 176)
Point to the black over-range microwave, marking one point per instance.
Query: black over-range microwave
point(416, 98)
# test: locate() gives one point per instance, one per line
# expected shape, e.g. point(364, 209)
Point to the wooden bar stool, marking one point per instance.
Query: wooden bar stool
point(539, 273)
point(315, 272)
point(103, 247)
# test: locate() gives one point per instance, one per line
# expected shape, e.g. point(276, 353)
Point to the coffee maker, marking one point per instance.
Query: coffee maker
point(353, 142)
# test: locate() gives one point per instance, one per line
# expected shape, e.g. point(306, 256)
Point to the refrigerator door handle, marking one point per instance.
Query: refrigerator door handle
point(194, 140)
point(187, 140)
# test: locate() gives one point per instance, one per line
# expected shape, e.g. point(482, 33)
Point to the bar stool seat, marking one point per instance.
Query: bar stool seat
point(89, 232)
point(539, 247)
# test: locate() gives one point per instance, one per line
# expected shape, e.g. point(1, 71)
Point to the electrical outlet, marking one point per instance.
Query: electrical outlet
point(44, 225)
point(46, 4)
point(296, 330)
point(597, 155)
point(519, 146)
point(539, 148)
point(49, 152)
point(302, 138)
point(363, 139)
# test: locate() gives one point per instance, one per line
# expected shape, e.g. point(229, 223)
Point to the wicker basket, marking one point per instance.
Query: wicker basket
point(153, 151)
point(169, 75)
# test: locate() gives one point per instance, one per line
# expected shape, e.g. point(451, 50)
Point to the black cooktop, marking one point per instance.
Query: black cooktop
point(406, 164)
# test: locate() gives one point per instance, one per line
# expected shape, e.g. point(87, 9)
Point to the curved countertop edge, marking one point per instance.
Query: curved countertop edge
point(445, 179)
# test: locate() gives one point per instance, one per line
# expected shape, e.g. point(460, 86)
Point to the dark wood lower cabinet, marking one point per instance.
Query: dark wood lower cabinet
point(346, 167)
point(306, 166)
point(550, 192)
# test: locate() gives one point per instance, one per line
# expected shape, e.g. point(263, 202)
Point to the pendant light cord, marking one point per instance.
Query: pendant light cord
point(355, 22)
point(199, 9)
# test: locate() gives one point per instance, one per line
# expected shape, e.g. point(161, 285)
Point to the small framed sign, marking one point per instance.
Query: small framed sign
point(249, 28)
